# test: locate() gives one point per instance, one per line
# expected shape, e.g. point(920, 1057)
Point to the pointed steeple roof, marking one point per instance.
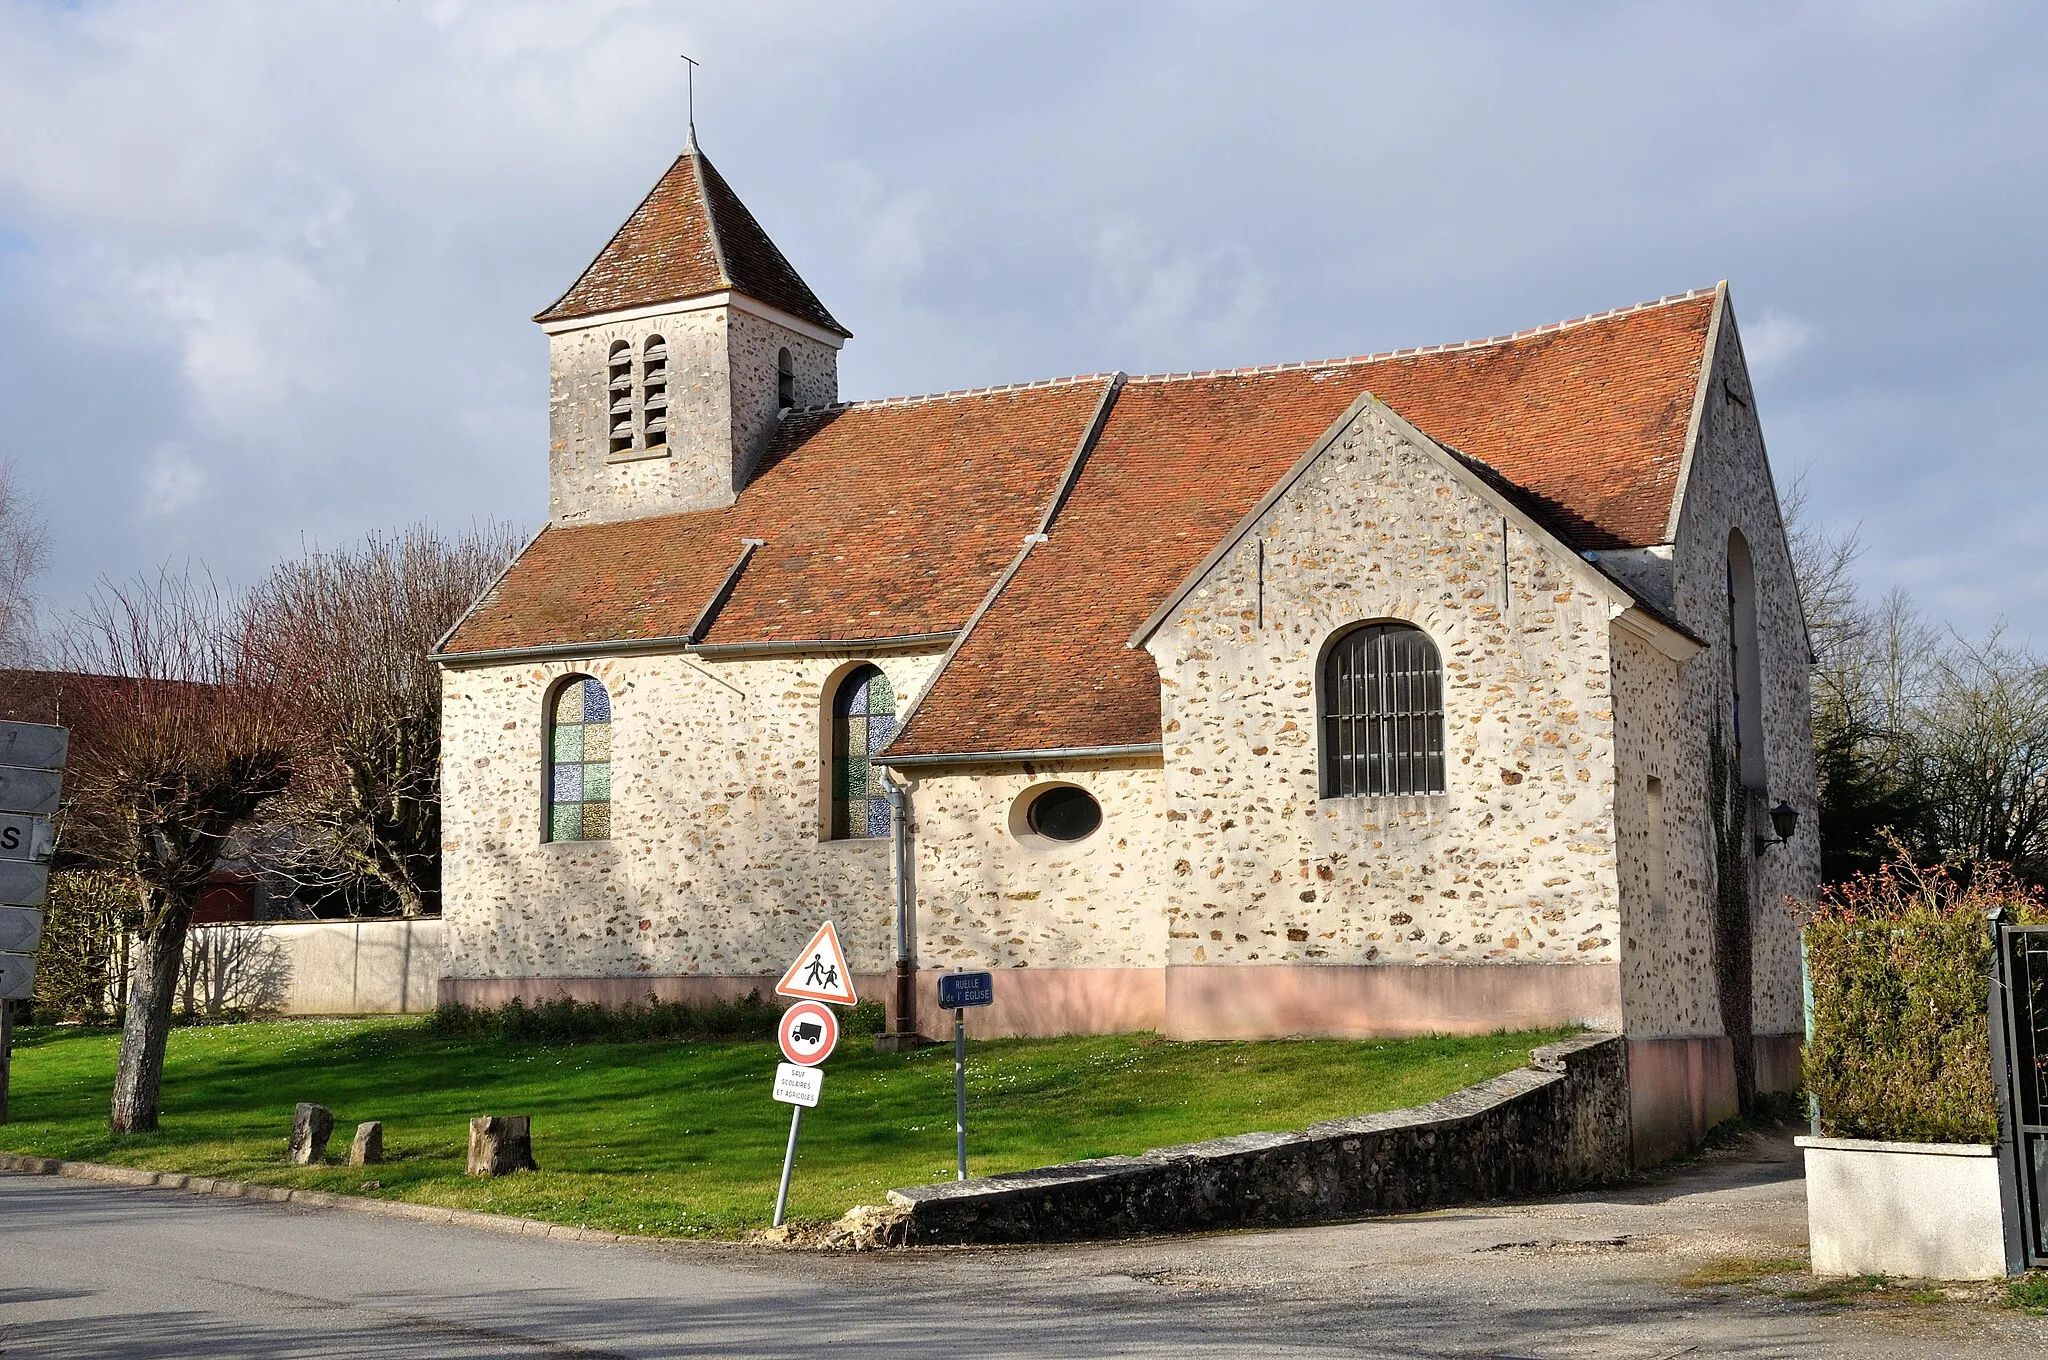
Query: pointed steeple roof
point(689, 237)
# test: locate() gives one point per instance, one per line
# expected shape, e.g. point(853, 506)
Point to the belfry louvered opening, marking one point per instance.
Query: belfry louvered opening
point(619, 396)
point(654, 393)
point(1383, 714)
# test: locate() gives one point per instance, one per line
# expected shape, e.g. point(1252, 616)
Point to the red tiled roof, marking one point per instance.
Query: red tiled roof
point(882, 520)
point(895, 518)
point(1589, 420)
point(689, 237)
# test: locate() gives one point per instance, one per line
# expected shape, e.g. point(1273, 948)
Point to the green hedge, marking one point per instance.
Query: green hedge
point(1900, 962)
point(564, 1020)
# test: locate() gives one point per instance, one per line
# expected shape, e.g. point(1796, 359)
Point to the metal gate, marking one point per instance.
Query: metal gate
point(2019, 1045)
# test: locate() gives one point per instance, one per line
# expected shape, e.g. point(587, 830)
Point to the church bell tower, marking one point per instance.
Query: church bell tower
point(673, 356)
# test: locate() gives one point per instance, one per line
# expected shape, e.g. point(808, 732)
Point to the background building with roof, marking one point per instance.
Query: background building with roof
point(1445, 690)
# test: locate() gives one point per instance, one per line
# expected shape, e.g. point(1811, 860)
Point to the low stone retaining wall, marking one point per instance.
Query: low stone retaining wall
point(1559, 1123)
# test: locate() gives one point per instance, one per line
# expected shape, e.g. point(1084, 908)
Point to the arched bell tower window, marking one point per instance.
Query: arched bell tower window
point(1382, 713)
point(619, 396)
point(785, 380)
point(863, 721)
point(579, 761)
point(654, 393)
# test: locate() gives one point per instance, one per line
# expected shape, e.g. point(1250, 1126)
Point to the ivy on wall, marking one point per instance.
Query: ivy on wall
point(1734, 923)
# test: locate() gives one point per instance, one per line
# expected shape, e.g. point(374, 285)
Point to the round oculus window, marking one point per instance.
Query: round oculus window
point(1064, 813)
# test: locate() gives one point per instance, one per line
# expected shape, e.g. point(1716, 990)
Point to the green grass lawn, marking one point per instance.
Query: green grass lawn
point(681, 1138)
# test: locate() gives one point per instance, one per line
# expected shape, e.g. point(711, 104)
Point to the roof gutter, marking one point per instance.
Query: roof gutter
point(1144, 748)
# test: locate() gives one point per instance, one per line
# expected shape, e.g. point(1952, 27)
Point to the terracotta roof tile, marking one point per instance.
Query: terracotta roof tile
point(882, 520)
point(689, 237)
point(1588, 420)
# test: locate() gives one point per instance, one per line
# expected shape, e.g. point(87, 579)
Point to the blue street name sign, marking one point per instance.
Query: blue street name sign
point(957, 990)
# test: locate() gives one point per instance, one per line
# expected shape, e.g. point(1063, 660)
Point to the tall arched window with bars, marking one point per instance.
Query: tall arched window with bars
point(1382, 713)
point(863, 721)
point(580, 761)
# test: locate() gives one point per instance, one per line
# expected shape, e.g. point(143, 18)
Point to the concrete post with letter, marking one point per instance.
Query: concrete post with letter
point(958, 991)
point(31, 784)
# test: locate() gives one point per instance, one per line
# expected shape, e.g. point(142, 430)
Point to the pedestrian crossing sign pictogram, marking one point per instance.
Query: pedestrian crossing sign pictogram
point(820, 972)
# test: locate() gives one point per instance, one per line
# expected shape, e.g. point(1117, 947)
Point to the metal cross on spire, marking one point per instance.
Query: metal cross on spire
point(692, 79)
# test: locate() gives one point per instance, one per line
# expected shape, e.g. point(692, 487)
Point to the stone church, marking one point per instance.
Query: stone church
point(1450, 689)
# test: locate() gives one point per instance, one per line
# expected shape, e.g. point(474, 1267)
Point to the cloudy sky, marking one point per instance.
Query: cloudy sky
point(266, 269)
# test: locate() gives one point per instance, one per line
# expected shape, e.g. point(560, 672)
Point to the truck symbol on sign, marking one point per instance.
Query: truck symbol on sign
point(808, 1032)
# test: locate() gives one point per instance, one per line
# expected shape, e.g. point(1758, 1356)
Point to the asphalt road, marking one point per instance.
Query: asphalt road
point(92, 1270)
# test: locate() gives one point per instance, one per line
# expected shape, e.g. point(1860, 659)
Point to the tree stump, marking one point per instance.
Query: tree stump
point(368, 1147)
point(311, 1126)
point(500, 1144)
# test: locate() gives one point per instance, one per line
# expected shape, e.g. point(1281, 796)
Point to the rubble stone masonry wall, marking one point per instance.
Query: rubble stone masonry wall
point(1515, 863)
point(721, 412)
point(1667, 975)
point(715, 867)
point(992, 895)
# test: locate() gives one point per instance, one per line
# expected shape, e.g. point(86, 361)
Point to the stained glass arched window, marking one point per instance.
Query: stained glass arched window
point(1383, 713)
point(580, 761)
point(863, 721)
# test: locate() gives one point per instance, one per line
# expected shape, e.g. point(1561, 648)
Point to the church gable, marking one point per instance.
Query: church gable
point(1467, 819)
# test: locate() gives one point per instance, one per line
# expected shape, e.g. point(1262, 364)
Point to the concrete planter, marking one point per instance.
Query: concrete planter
point(1927, 1211)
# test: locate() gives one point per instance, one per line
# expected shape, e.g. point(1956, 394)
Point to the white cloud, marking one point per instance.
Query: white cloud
point(1157, 298)
point(172, 483)
point(1774, 342)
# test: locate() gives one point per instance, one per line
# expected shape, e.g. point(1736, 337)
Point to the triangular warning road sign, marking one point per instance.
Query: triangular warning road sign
point(820, 972)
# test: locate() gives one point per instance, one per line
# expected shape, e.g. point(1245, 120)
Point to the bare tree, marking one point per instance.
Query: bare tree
point(1869, 674)
point(24, 549)
point(180, 738)
point(349, 634)
point(1984, 730)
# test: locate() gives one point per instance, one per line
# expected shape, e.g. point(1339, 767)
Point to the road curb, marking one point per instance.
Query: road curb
point(323, 1199)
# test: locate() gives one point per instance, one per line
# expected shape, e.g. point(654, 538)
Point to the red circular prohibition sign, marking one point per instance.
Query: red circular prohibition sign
point(808, 1033)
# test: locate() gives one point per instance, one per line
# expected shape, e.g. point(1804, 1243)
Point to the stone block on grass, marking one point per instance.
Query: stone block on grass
point(368, 1147)
point(311, 1127)
point(500, 1144)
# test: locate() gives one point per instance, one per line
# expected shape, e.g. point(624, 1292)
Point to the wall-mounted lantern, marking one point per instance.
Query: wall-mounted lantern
point(1784, 821)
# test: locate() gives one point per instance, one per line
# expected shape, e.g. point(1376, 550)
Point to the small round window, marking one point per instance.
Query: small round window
point(1064, 813)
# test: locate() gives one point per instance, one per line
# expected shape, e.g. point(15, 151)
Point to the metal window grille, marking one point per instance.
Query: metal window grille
point(1383, 714)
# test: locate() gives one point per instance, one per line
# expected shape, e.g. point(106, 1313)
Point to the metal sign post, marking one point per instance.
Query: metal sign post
point(31, 784)
point(808, 1033)
point(799, 1088)
point(958, 991)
